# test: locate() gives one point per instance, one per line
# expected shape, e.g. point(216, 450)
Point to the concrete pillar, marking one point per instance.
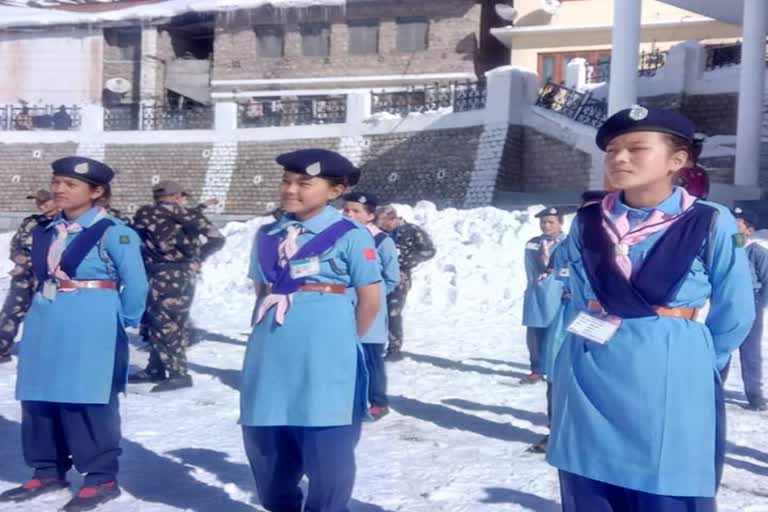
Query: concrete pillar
point(92, 118)
point(511, 92)
point(150, 65)
point(625, 55)
point(576, 74)
point(751, 91)
point(225, 116)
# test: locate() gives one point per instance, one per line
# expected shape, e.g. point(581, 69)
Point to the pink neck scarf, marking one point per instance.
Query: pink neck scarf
point(624, 237)
point(546, 250)
point(373, 229)
point(59, 245)
point(282, 303)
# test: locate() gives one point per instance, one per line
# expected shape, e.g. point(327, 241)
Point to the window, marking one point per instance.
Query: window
point(271, 41)
point(553, 66)
point(363, 37)
point(123, 43)
point(412, 34)
point(316, 40)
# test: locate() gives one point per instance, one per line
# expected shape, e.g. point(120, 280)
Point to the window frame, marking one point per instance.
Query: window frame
point(401, 23)
point(367, 23)
point(325, 33)
point(269, 30)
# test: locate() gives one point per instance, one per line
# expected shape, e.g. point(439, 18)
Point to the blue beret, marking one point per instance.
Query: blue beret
point(549, 211)
point(370, 200)
point(748, 216)
point(85, 169)
point(641, 119)
point(319, 163)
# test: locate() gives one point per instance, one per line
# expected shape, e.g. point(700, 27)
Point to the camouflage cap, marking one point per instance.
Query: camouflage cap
point(168, 188)
point(41, 196)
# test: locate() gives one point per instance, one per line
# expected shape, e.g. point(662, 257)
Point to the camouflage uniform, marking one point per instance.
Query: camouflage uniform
point(23, 283)
point(415, 247)
point(176, 240)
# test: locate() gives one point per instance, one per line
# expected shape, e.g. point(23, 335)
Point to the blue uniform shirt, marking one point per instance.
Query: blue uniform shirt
point(390, 272)
point(67, 353)
point(542, 297)
point(305, 372)
point(639, 411)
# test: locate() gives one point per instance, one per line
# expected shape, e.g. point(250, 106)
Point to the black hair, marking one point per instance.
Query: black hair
point(677, 143)
point(106, 197)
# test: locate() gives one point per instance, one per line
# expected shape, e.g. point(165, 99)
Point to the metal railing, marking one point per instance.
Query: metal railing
point(40, 117)
point(281, 111)
point(579, 106)
point(459, 97)
point(161, 117)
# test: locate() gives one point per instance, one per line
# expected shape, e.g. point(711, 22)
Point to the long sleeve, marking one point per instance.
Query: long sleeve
point(389, 264)
point(124, 248)
point(732, 309)
point(759, 259)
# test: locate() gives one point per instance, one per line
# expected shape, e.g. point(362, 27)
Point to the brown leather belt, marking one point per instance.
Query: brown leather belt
point(323, 288)
point(90, 285)
point(684, 313)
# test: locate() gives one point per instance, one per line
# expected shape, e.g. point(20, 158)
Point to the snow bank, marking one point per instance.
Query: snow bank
point(478, 268)
point(30, 16)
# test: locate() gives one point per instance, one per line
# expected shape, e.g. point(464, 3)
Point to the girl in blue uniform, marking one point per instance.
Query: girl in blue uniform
point(361, 207)
point(73, 356)
point(638, 418)
point(303, 390)
point(544, 292)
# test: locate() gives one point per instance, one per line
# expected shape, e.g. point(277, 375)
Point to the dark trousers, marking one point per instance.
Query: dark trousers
point(752, 361)
point(55, 436)
point(280, 456)
point(535, 338)
point(579, 494)
point(395, 306)
point(377, 375)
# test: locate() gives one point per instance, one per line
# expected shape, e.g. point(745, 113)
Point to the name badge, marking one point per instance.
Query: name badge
point(305, 268)
point(49, 290)
point(532, 246)
point(594, 329)
point(565, 272)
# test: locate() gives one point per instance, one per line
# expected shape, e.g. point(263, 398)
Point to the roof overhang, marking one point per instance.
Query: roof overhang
point(727, 11)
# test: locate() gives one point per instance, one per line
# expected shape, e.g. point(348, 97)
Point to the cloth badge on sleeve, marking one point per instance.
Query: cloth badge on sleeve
point(533, 246)
point(739, 240)
point(125, 239)
point(370, 254)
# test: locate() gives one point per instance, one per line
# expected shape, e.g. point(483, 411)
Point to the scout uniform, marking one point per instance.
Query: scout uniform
point(303, 386)
point(73, 356)
point(22, 286)
point(638, 415)
point(543, 294)
point(750, 352)
point(375, 339)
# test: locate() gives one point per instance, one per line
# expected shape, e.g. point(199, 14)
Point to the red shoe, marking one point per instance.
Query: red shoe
point(91, 497)
point(32, 489)
point(533, 378)
point(378, 412)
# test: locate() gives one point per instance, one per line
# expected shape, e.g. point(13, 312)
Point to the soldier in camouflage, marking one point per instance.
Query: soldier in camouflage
point(415, 247)
point(23, 284)
point(176, 242)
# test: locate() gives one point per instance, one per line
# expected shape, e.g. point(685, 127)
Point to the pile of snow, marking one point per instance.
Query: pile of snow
point(31, 16)
point(478, 268)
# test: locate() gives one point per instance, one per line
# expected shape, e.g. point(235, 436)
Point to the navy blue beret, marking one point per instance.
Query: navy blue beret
point(593, 195)
point(549, 211)
point(748, 216)
point(320, 163)
point(370, 200)
point(641, 119)
point(85, 169)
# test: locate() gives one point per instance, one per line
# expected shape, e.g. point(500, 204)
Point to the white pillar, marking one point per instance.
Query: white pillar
point(576, 74)
point(625, 54)
point(225, 116)
point(751, 91)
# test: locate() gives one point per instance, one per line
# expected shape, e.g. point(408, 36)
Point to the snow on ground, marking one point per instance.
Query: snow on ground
point(456, 439)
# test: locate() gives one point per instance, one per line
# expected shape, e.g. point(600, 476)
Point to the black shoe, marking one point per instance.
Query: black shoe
point(173, 383)
point(143, 376)
point(32, 489)
point(393, 356)
point(540, 447)
point(91, 497)
point(759, 407)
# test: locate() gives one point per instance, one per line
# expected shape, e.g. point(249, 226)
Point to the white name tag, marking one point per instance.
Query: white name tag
point(49, 290)
point(533, 246)
point(593, 328)
point(305, 268)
